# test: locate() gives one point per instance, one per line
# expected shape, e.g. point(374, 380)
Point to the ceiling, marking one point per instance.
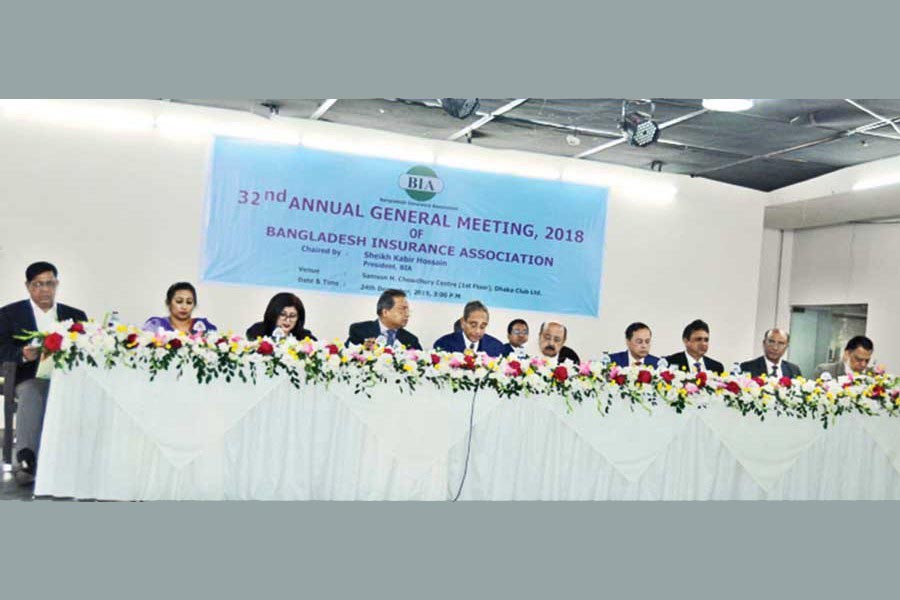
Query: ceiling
point(774, 144)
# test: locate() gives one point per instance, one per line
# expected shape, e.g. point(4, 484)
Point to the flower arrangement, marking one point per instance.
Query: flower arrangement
point(213, 355)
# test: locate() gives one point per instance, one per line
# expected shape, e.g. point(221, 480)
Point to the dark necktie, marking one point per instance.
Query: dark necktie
point(472, 346)
point(391, 336)
point(774, 371)
point(698, 366)
point(638, 363)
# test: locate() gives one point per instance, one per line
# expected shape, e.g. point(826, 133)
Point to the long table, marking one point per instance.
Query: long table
point(115, 435)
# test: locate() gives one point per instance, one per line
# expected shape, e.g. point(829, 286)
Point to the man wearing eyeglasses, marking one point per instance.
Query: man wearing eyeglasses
point(37, 313)
point(517, 334)
point(771, 364)
point(552, 338)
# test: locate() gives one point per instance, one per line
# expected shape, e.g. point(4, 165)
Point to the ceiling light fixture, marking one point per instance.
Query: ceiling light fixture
point(638, 125)
point(727, 104)
point(459, 107)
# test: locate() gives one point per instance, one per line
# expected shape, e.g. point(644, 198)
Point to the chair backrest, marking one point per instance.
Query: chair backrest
point(8, 372)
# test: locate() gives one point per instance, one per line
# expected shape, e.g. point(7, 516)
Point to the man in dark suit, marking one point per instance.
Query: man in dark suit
point(696, 344)
point(857, 354)
point(637, 339)
point(393, 315)
point(37, 313)
point(552, 339)
point(517, 334)
point(473, 335)
point(775, 344)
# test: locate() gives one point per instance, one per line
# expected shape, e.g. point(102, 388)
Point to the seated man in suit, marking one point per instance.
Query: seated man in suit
point(637, 339)
point(393, 315)
point(517, 334)
point(472, 337)
point(37, 313)
point(696, 344)
point(857, 354)
point(552, 339)
point(775, 344)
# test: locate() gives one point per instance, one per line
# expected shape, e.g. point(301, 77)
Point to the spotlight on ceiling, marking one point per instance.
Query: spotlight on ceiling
point(638, 125)
point(728, 104)
point(459, 107)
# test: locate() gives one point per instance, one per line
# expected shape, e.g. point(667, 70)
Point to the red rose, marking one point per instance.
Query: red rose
point(644, 376)
point(435, 359)
point(560, 373)
point(388, 350)
point(516, 366)
point(701, 378)
point(759, 381)
point(620, 379)
point(77, 328)
point(332, 349)
point(470, 361)
point(222, 340)
point(131, 340)
point(668, 376)
point(733, 387)
point(785, 382)
point(877, 391)
point(53, 342)
point(265, 348)
point(175, 343)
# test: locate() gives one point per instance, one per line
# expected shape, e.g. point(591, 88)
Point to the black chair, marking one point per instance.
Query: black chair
point(8, 373)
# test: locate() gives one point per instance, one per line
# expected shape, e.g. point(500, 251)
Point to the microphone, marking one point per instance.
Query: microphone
point(278, 334)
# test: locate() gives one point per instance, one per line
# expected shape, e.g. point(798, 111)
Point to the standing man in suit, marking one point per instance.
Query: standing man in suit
point(775, 344)
point(517, 334)
point(393, 315)
point(637, 339)
point(696, 344)
point(37, 313)
point(552, 338)
point(857, 354)
point(473, 335)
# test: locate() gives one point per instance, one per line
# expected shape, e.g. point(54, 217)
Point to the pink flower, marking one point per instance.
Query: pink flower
point(455, 362)
point(412, 355)
point(307, 348)
point(584, 369)
point(614, 372)
point(537, 361)
point(691, 388)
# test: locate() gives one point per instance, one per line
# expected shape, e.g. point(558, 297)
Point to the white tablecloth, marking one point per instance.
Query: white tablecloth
point(112, 434)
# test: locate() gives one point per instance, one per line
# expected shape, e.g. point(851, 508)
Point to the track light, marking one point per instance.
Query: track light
point(638, 125)
point(459, 107)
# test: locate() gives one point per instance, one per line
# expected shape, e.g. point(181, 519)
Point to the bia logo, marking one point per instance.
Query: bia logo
point(421, 183)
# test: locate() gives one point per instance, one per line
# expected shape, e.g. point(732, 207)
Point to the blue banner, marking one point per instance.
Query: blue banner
point(293, 217)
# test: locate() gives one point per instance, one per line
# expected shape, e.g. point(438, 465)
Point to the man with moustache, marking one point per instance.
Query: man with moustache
point(552, 338)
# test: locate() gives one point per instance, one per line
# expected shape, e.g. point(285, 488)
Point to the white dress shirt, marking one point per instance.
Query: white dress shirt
point(691, 360)
point(44, 320)
point(469, 343)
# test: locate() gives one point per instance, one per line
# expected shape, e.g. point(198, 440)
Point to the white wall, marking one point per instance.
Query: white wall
point(120, 214)
point(853, 264)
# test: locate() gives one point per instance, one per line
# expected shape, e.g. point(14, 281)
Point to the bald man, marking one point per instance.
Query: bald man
point(552, 340)
point(771, 363)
